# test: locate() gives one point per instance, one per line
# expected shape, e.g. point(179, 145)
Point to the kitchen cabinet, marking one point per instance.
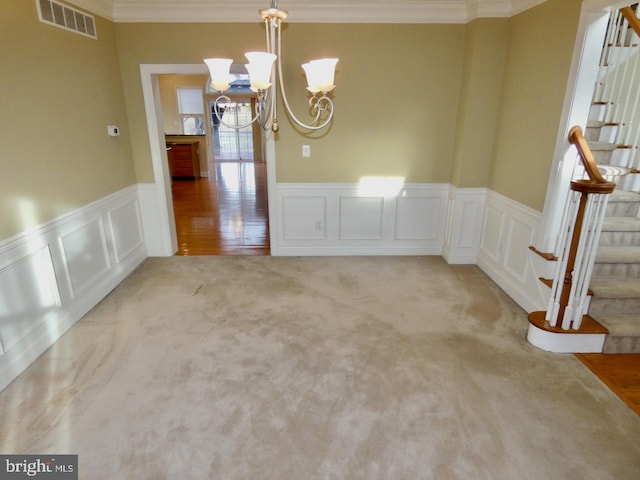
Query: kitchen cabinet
point(184, 160)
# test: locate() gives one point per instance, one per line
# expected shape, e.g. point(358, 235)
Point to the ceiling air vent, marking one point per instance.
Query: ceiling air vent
point(59, 15)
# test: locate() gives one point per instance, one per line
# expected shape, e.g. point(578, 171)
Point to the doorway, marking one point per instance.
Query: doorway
point(224, 210)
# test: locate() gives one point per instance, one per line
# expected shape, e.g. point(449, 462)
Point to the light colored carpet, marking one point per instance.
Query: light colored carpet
point(315, 368)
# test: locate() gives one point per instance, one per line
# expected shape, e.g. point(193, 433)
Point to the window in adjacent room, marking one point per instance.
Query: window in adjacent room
point(191, 110)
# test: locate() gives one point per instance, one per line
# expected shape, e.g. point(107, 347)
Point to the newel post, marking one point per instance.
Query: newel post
point(585, 188)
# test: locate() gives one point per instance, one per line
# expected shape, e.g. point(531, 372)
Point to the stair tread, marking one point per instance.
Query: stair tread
point(621, 324)
point(602, 146)
point(615, 287)
point(618, 254)
point(613, 170)
point(621, 224)
point(622, 196)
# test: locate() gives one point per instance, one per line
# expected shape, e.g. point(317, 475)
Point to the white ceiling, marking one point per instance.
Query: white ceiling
point(305, 11)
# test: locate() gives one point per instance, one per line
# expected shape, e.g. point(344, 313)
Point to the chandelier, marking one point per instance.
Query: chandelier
point(265, 71)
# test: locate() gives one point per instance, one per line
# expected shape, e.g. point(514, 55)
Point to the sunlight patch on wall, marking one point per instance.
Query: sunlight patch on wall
point(380, 186)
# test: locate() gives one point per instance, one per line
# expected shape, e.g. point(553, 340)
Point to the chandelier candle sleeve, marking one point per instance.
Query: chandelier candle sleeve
point(219, 70)
point(259, 68)
point(320, 74)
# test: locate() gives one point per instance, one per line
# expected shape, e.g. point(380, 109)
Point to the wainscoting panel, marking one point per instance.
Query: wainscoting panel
point(519, 233)
point(85, 255)
point(361, 218)
point(126, 230)
point(347, 219)
point(155, 228)
point(508, 231)
point(52, 275)
point(413, 218)
point(304, 218)
point(492, 232)
point(28, 293)
point(465, 213)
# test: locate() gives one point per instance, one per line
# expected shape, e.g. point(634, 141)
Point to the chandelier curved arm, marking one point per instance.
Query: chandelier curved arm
point(235, 127)
point(319, 104)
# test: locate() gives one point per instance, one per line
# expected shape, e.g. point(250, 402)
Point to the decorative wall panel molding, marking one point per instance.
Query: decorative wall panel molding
point(52, 275)
point(305, 218)
point(361, 218)
point(347, 219)
point(151, 222)
point(465, 214)
point(508, 232)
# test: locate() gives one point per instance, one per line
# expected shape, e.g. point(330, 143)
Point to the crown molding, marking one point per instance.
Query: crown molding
point(102, 8)
point(355, 11)
point(520, 6)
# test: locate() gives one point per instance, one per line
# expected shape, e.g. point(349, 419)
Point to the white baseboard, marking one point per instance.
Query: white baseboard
point(52, 275)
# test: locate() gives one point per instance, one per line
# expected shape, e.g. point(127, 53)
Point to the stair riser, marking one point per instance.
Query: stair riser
point(597, 112)
point(631, 183)
point(629, 239)
point(602, 157)
point(622, 157)
point(615, 269)
point(592, 134)
point(614, 306)
point(606, 134)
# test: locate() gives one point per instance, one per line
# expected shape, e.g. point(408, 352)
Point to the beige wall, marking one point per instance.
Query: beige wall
point(396, 100)
point(415, 101)
point(396, 103)
point(159, 43)
point(484, 61)
point(59, 91)
point(168, 95)
point(541, 42)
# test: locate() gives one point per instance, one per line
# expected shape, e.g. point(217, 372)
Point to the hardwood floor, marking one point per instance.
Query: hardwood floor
point(225, 214)
point(619, 372)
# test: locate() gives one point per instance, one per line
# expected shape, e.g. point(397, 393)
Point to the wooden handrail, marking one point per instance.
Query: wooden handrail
point(576, 137)
point(630, 16)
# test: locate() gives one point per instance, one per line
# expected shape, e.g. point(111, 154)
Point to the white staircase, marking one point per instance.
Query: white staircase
point(615, 283)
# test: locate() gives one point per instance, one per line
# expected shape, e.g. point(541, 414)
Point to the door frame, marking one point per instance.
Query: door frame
point(164, 218)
